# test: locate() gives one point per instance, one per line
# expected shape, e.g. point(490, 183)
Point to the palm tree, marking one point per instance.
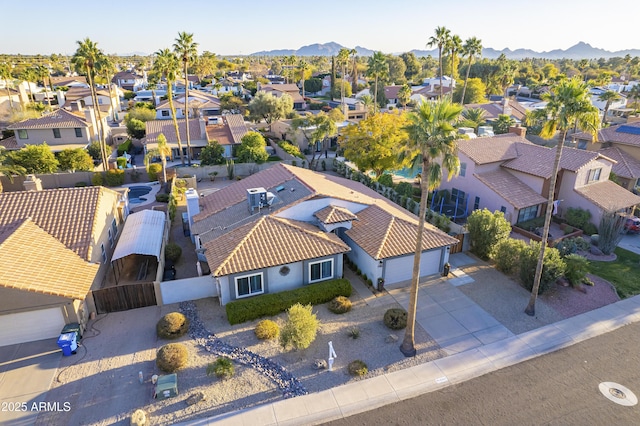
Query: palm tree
point(568, 105)
point(29, 76)
point(85, 60)
point(354, 74)
point(634, 94)
point(432, 136)
point(472, 47)
point(343, 60)
point(42, 73)
point(5, 74)
point(609, 96)
point(187, 50)
point(7, 168)
point(473, 117)
point(378, 68)
point(454, 47)
point(106, 68)
point(440, 39)
point(167, 65)
point(303, 67)
point(163, 150)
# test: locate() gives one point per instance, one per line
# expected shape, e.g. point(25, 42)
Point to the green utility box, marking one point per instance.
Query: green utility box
point(166, 387)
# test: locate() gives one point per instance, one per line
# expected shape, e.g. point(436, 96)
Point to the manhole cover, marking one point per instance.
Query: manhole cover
point(618, 393)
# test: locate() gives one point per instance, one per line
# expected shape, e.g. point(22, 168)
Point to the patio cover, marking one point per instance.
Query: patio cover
point(142, 234)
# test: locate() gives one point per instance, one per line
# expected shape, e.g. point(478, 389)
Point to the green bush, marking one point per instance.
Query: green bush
point(222, 368)
point(507, 255)
point(162, 198)
point(97, 179)
point(301, 327)
point(239, 311)
point(291, 149)
point(486, 230)
point(353, 332)
point(172, 326)
point(121, 162)
point(404, 188)
point(266, 330)
point(114, 177)
point(172, 357)
point(172, 252)
point(553, 267)
point(358, 368)
point(577, 217)
point(124, 147)
point(340, 305)
point(153, 170)
point(386, 180)
point(395, 318)
point(568, 230)
point(576, 270)
point(590, 229)
point(567, 247)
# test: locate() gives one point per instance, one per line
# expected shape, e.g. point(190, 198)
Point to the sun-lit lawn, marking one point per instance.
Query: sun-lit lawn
point(623, 273)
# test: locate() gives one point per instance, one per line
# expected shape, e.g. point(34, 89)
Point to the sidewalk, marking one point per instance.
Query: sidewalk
point(475, 341)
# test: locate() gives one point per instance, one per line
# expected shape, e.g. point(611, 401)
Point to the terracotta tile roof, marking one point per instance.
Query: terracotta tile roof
point(608, 196)
point(383, 235)
point(494, 109)
point(166, 127)
point(68, 214)
point(538, 160)
point(512, 189)
point(59, 118)
point(204, 99)
point(391, 92)
point(290, 89)
point(51, 269)
point(334, 214)
point(268, 242)
point(65, 81)
point(9, 143)
point(492, 149)
point(626, 166)
point(617, 134)
point(230, 132)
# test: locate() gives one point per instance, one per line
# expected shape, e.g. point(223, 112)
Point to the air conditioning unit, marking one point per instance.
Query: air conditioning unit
point(257, 198)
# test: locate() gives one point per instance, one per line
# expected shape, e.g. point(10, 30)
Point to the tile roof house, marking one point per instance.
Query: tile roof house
point(201, 105)
point(109, 102)
point(129, 80)
point(55, 245)
point(510, 174)
point(286, 227)
point(197, 132)
point(228, 130)
point(506, 106)
point(292, 90)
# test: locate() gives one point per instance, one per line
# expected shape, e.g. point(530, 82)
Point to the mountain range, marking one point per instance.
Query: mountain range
point(580, 51)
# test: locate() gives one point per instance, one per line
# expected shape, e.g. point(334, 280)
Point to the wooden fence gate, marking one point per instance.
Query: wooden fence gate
point(124, 297)
point(457, 248)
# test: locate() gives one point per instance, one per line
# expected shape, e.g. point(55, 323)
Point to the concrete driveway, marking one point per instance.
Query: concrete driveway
point(26, 373)
point(630, 242)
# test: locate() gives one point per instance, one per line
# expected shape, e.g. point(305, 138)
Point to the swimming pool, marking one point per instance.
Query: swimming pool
point(137, 193)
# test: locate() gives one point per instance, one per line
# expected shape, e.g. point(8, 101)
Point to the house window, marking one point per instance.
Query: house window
point(319, 271)
point(249, 285)
point(104, 253)
point(456, 194)
point(78, 131)
point(463, 169)
point(22, 134)
point(594, 175)
point(56, 133)
point(114, 227)
point(110, 238)
point(503, 209)
point(476, 203)
point(165, 113)
point(582, 144)
point(528, 213)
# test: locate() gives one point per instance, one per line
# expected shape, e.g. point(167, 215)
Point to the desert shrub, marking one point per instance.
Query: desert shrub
point(300, 329)
point(566, 247)
point(486, 230)
point(266, 330)
point(581, 243)
point(386, 180)
point(353, 332)
point(172, 357)
point(291, 149)
point(172, 326)
point(568, 230)
point(507, 255)
point(97, 179)
point(172, 252)
point(576, 270)
point(340, 305)
point(114, 177)
point(358, 368)
point(610, 231)
point(395, 318)
point(248, 309)
point(162, 198)
point(577, 217)
point(553, 266)
point(222, 368)
point(153, 170)
point(590, 229)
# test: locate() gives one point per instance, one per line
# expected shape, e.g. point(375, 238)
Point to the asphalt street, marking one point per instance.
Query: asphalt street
point(561, 388)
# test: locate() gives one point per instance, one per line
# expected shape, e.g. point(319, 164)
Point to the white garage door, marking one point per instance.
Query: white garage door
point(30, 326)
point(400, 269)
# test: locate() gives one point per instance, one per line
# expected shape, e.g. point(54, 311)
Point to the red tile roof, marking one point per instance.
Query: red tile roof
point(512, 189)
point(626, 166)
point(608, 196)
point(57, 119)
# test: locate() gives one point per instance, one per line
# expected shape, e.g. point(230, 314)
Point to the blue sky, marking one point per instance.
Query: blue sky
point(247, 26)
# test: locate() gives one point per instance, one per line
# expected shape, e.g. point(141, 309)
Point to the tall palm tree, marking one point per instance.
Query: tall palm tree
point(167, 65)
point(343, 60)
point(568, 105)
point(303, 68)
point(29, 76)
point(609, 96)
point(5, 74)
point(378, 68)
point(187, 50)
point(106, 68)
point(85, 59)
point(440, 39)
point(472, 47)
point(432, 136)
point(163, 150)
point(454, 47)
point(42, 73)
point(354, 70)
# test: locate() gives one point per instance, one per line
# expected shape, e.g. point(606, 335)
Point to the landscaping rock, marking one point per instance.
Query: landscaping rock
point(195, 398)
point(392, 338)
point(595, 250)
point(320, 364)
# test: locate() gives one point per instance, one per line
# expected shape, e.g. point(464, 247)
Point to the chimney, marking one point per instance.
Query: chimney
point(32, 183)
point(60, 96)
point(518, 130)
point(506, 109)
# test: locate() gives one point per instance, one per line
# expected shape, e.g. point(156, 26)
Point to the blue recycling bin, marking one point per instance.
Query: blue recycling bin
point(67, 342)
